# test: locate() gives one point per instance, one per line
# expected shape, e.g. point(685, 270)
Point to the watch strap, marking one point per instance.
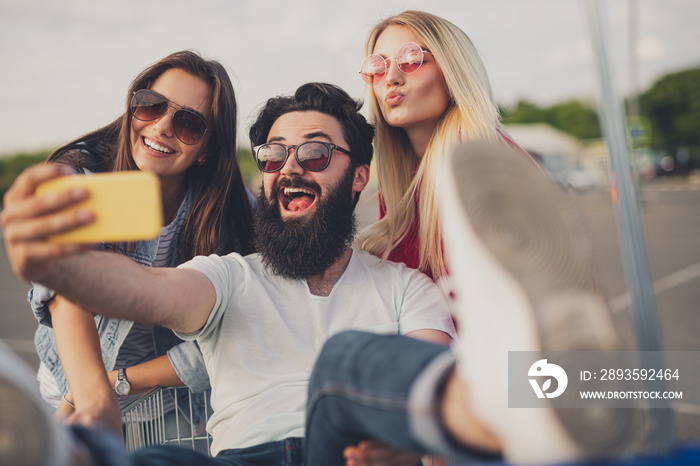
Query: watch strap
point(121, 380)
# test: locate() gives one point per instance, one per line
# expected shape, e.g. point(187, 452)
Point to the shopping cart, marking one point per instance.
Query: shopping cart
point(147, 424)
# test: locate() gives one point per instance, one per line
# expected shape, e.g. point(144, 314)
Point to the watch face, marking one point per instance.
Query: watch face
point(122, 388)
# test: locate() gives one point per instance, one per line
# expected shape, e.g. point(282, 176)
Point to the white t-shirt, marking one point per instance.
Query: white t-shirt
point(264, 333)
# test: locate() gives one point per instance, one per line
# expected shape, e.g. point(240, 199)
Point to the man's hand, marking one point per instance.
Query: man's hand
point(27, 220)
point(377, 453)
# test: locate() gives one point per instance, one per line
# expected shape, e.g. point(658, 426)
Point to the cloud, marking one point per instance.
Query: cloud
point(575, 52)
point(67, 65)
point(650, 48)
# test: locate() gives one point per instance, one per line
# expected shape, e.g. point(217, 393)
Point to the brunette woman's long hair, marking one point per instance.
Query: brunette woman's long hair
point(220, 201)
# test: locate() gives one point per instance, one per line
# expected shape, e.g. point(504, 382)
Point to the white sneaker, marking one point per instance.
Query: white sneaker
point(521, 268)
point(28, 434)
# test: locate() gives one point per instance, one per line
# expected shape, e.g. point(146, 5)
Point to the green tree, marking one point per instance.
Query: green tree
point(252, 176)
point(672, 105)
point(11, 166)
point(524, 112)
point(576, 118)
point(573, 116)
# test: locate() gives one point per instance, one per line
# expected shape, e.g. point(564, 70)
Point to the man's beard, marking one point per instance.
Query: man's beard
point(304, 247)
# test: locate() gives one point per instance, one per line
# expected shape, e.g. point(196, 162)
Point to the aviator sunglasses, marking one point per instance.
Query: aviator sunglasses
point(189, 127)
point(408, 59)
point(312, 155)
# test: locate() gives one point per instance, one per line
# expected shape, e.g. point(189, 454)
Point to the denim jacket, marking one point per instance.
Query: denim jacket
point(185, 357)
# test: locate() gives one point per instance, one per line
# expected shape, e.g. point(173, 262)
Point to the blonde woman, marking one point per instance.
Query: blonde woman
point(429, 91)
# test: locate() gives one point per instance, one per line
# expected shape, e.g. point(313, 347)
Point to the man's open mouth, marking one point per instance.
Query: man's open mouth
point(296, 199)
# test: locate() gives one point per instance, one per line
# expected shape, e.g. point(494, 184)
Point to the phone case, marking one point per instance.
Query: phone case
point(127, 206)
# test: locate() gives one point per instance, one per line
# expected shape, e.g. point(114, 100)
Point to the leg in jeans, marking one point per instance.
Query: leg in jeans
point(172, 455)
point(286, 452)
point(378, 386)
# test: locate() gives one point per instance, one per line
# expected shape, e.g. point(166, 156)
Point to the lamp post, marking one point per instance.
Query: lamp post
point(630, 228)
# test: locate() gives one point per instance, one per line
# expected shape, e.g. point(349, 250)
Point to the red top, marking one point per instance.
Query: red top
point(407, 251)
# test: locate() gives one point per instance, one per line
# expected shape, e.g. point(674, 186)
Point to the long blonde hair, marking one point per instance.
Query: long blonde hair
point(471, 114)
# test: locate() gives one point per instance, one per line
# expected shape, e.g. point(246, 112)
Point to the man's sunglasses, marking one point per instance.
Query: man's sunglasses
point(312, 155)
point(408, 60)
point(189, 127)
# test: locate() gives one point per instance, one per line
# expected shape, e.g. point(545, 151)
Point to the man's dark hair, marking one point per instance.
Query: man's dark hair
point(324, 98)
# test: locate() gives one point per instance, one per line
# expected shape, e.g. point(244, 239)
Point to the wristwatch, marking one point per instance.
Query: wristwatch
point(122, 386)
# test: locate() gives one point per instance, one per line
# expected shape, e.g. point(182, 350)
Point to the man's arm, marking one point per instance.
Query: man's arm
point(113, 285)
point(424, 311)
point(106, 283)
point(435, 336)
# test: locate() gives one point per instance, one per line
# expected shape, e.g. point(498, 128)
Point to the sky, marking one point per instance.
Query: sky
point(67, 65)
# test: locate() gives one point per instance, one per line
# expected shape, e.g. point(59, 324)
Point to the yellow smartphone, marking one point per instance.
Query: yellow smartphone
point(127, 206)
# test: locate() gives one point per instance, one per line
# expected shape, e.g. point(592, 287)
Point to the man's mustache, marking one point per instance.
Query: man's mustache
point(296, 182)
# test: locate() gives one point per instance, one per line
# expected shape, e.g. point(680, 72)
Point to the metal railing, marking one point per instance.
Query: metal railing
point(147, 424)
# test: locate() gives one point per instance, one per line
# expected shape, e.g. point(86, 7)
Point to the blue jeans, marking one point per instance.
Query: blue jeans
point(379, 386)
point(286, 452)
point(106, 450)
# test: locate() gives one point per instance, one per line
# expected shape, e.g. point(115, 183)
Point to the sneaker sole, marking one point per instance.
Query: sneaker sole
point(534, 230)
